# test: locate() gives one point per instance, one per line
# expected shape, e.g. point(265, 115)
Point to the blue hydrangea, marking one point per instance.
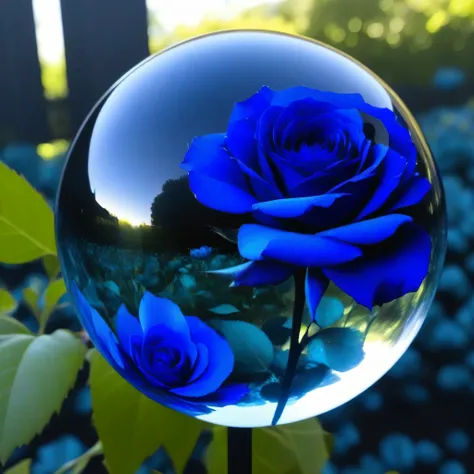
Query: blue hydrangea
point(329, 468)
point(457, 240)
point(453, 377)
point(52, 456)
point(201, 253)
point(83, 402)
point(452, 467)
point(455, 281)
point(469, 263)
point(370, 464)
point(457, 441)
point(408, 365)
point(428, 452)
point(346, 438)
point(448, 77)
point(372, 401)
point(416, 393)
point(397, 451)
point(447, 334)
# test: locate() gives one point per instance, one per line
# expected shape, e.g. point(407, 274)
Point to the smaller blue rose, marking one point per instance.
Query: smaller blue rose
point(174, 359)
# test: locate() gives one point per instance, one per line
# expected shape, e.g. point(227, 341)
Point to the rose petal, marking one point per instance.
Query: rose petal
point(240, 141)
point(399, 137)
point(211, 168)
point(369, 232)
point(202, 360)
point(100, 333)
point(392, 170)
point(316, 284)
point(220, 195)
point(261, 188)
point(295, 116)
point(295, 207)
point(264, 132)
point(204, 152)
point(318, 183)
point(257, 242)
point(226, 395)
point(154, 311)
point(257, 273)
point(388, 275)
point(253, 107)
point(414, 191)
point(286, 173)
point(347, 101)
point(128, 329)
point(220, 360)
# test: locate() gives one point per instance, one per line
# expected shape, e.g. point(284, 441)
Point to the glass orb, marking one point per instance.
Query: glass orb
point(251, 227)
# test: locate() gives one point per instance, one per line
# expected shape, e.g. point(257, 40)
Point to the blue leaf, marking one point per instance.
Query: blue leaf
point(224, 309)
point(341, 349)
point(253, 350)
point(329, 311)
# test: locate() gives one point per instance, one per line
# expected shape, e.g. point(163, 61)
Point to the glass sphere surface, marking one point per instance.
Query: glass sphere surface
point(251, 227)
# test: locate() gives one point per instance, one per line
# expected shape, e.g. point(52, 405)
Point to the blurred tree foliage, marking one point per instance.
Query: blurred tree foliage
point(264, 18)
point(404, 41)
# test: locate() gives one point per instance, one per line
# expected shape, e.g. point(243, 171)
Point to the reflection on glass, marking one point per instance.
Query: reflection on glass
point(251, 238)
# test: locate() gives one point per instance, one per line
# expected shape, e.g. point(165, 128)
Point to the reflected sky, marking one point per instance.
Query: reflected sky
point(148, 122)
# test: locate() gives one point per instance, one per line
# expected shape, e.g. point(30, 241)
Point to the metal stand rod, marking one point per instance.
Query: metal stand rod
point(239, 450)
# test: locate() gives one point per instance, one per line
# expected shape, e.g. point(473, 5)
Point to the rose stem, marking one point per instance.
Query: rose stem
point(295, 346)
point(239, 450)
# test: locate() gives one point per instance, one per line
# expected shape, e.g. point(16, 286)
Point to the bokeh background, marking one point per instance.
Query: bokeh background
point(58, 56)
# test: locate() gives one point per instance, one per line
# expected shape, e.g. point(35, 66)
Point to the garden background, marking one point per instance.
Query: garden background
point(53, 67)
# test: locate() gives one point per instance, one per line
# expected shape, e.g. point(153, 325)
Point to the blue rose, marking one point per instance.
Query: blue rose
point(176, 360)
point(319, 192)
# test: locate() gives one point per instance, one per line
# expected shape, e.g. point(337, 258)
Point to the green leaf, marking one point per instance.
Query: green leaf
point(216, 454)
point(51, 266)
point(52, 295)
point(9, 325)
point(26, 220)
point(36, 375)
point(7, 302)
point(298, 448)
point(22, 467)
point(30, 297)
point(131, 427)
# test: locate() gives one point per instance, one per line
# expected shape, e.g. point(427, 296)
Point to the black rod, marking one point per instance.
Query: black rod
point(239, 450)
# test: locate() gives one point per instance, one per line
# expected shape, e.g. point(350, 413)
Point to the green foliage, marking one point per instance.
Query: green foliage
point(9, 325)
point(54, 291)
point(53, 77)
point(22, 467)
point(131, 427)
point(261, 18)
point(393, 37)
point(298, 448)
point(37, 373)
point(7, 302)
point(26, 221)
point(30, 297)
point(51, 266)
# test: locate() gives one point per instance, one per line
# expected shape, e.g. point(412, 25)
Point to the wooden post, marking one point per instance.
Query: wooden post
point(22, 103)
point(103, 40)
